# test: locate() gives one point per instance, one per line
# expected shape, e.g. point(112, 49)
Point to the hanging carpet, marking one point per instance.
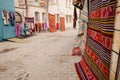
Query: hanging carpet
point(51, 23)
point(95, 64)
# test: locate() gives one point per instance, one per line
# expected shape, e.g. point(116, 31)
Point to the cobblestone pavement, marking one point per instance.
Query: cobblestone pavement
point(47, 56)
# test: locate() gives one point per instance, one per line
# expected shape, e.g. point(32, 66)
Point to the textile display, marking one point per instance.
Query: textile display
point(57, 25)
point(84, 71)
point(82, 32)
point(12, 18)
point(100, 36)
point(62, 23)
point(29, 27)
point(5, 17)
point(44, 26)
point(38, 27)
point(17, 29)
point(22, 29)
point(74, 18)
point(97, 55)
point(52, 23)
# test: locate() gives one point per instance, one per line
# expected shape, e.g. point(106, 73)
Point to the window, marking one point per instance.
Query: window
point(43, 16)
point(69, 3)
point(18, 17)
point(70, 18)
point(57, 2)
point(66, 2)
point(52, 2)
point(37, 16)
point(36, 0)
point(58, 17)
point(67, 18)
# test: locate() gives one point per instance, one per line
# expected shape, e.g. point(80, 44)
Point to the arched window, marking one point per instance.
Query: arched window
point(18, 17)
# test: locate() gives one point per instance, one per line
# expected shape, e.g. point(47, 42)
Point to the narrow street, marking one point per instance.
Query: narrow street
point(46, 56)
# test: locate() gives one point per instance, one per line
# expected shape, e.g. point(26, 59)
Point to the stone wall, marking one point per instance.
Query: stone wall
point(116, 44)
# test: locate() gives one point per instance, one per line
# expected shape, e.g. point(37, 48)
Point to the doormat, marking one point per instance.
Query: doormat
point(17, 40)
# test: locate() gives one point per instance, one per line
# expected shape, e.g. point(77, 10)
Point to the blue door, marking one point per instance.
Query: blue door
point(7, 30)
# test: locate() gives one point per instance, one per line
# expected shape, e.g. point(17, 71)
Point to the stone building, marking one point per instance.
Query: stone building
point(39, 9)
point(29, 8)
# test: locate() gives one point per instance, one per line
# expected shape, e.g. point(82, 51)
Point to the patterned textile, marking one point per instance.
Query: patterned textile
point(75, 18)
point(99, 37)
point(62, 22)
point(17, 29)
point(44, 26)
point(82, 32)
point(76, 51)
point(97, 54)
point(84, 71)
point(38, 27)
point(5, 17)
point(57, 25)
point(12, 18)
point(52, 23)
point(22, 29)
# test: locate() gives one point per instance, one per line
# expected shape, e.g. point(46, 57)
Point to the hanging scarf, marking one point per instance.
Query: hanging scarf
point(75, 18)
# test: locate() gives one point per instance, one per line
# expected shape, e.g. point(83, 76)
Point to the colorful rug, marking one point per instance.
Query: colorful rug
point(97, 54)
point(62, 23)
point(51, 23)
point(84, 71)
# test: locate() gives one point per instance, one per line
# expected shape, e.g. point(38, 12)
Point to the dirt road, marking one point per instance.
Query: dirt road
point(46, 56)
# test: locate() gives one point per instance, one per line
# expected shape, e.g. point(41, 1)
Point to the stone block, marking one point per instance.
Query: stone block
point(112, 75)
point(114, 61)
point(116, 41)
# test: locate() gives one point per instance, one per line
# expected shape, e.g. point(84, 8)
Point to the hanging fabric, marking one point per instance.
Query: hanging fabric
point(12, 18)
point(98, 48)
point(62, 22)
point(75, 18)
point(5, 17)
point(51, 23)
point(17, 29)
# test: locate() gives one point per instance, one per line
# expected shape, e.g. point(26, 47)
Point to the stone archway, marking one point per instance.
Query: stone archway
point(18, 17)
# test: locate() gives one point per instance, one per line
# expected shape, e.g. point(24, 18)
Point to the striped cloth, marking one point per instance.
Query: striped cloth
point(97, 55)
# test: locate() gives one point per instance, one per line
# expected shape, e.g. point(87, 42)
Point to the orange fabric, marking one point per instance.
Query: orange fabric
point(39, 27)
point(62, 22)
point(52, 23)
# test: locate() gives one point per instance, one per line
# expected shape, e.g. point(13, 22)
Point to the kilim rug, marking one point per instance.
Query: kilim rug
point(97, 56)
point(62, 23)
point(84, 71)
point(51, 23)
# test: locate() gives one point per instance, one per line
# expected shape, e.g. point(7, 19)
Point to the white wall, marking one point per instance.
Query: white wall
point(62, 10)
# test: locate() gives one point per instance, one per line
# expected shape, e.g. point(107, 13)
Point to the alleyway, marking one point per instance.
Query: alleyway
point(46, 56)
